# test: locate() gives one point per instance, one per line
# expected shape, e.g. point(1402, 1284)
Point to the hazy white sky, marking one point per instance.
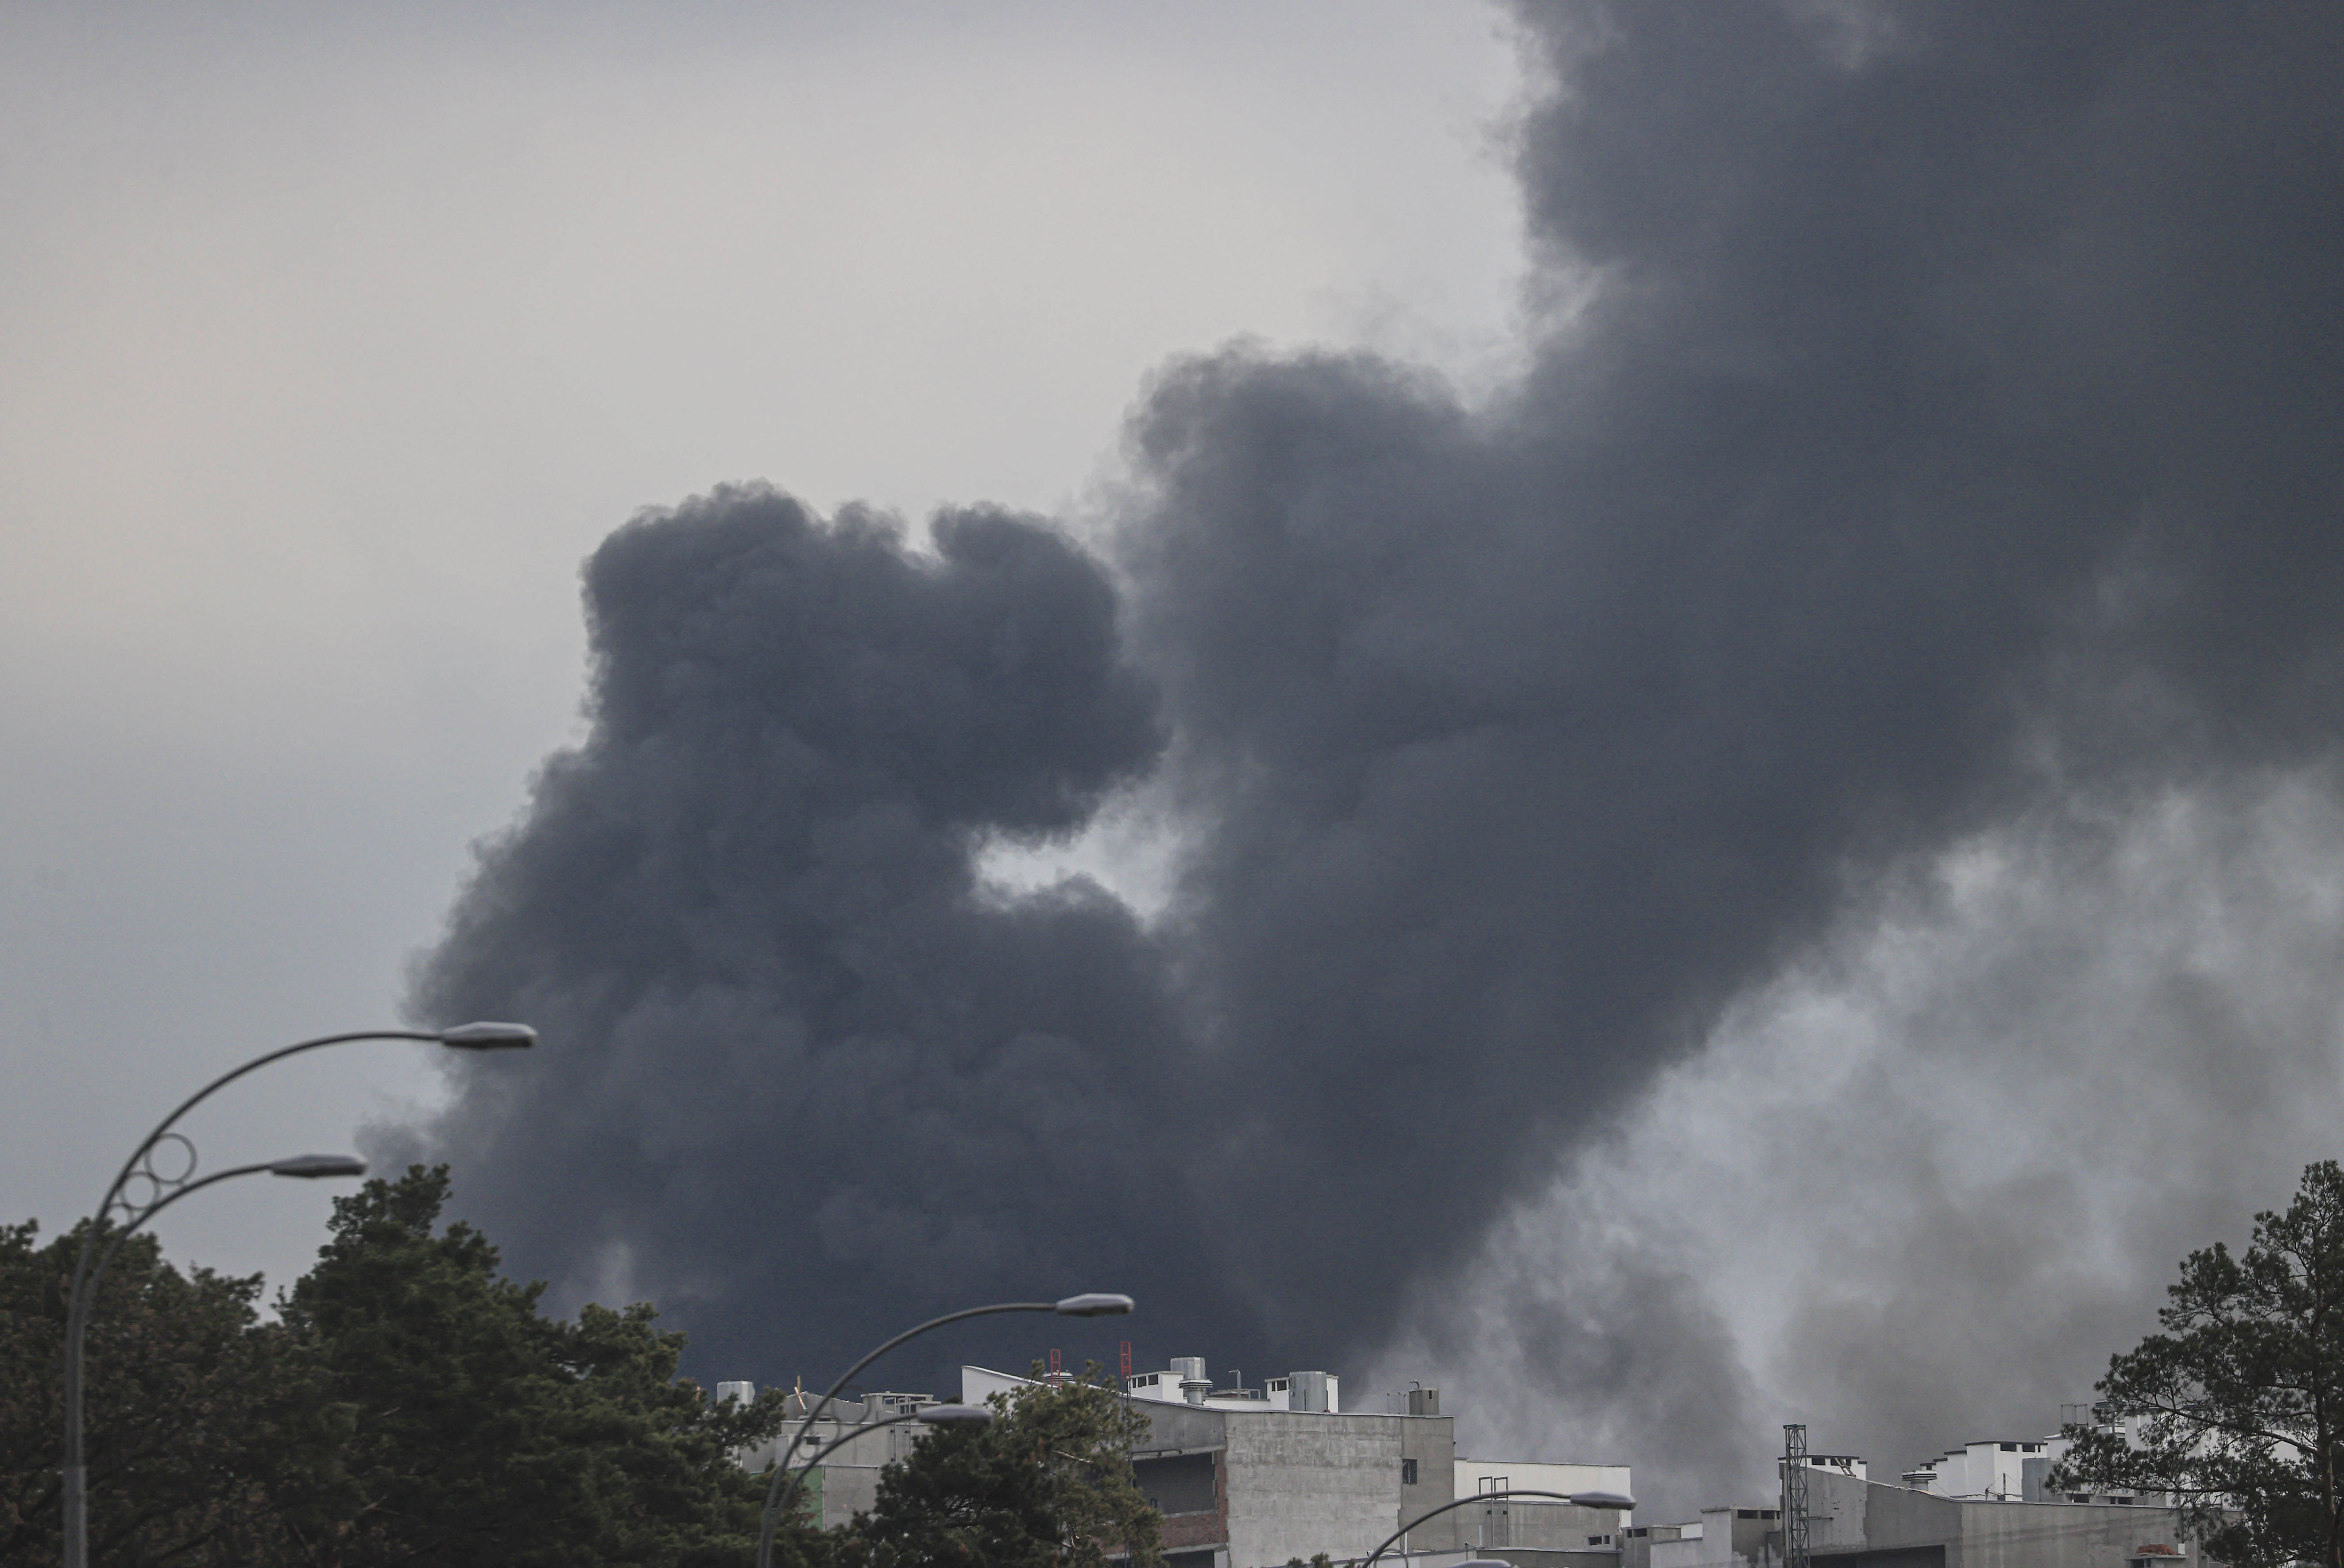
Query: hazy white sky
point(330, 342)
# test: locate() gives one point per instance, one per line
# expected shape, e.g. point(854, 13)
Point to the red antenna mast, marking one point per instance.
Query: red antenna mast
point(1126, 1360)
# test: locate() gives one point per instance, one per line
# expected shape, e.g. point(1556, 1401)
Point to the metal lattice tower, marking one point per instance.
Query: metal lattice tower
point(1795, 1553)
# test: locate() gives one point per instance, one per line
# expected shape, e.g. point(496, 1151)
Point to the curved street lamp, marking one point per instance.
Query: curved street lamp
point(1095, 1304)
point(159, 1191)
point(1582, 1499)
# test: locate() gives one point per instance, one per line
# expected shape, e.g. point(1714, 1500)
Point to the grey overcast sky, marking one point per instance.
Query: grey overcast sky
point(1696, 648)
point(330, 342)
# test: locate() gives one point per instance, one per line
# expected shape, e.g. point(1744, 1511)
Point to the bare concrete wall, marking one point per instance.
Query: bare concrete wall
point(1527, 1524)
point(2062, 1535)
point(1851, 1520)
point(836, 1494)
point(1431, 1442)
point(1178, 1427)
point(1301, 1484)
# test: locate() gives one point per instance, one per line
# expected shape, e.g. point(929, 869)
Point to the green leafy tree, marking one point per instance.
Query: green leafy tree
point(1048, 1485)
point(483, 1432)
point(2239, 1402)
point(199, 1416)
point(412, 1406)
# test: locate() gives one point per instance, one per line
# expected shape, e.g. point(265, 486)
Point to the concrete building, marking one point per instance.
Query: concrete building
point(1721, 1538)
point(1986, 1505)
point(2007, 1470)
point(1527, 1530)
point(1250, 1478)
point(846, 1482)
point(1854, 1522)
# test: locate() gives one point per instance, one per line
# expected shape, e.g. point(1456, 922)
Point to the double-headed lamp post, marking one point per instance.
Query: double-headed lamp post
point(1095, 1304)
point(142, 1190)
point(1619, 1500)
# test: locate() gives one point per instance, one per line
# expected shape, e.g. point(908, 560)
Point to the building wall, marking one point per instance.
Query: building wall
point(836, 1494)
point(1865, 1525)
point(847, 1482)
point(1719, 1538)
point(1302, 1483)
point(1477, 1475)
point(1522, 1524)
point(1636, 1548)
point(2065, 1535)
point(1295, 1483)
point(1432, 1443)
point(1994, 1469)
point(1181, 1427)
point(1192, 1491)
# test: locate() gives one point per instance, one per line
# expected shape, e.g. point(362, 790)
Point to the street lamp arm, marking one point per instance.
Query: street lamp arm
point(814, 1414)
point(1610, 1500)
point(78, 1306)
point(105, 1259)
point(221, 1082)
point(106, 1205)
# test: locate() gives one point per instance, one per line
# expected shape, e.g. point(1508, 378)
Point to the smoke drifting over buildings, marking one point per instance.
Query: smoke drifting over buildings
point(1934, 424)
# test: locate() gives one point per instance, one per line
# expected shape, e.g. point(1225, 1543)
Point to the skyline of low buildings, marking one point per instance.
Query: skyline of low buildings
point(1253, 1477)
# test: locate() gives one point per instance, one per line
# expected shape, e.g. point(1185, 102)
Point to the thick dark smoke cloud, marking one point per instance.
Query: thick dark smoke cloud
point(1949, 424)
point(806, 1077)
point(1985, 383)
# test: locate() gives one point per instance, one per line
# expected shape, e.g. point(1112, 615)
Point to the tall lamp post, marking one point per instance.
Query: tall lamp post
point(1582, 1499)
point(1093, 1305)
point(156, 1192)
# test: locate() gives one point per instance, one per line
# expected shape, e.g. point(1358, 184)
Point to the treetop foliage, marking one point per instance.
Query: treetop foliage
point(2237, 1406)
point(412, 1406)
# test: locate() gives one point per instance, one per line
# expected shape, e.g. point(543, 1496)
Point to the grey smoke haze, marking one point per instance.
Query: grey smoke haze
point(1916, 1188)
point(1934, 425)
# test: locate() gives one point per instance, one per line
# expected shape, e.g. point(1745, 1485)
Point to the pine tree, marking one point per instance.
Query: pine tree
point(2240, 1400)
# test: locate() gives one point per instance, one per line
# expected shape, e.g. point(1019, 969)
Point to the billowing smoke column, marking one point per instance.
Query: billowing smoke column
point(1948, 419)
point(807, 1077)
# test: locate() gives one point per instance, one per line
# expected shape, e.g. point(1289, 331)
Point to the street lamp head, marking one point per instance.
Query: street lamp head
point(955, 1415)
point(315, 1164)
point(1619, 1500)
point(1095, 1305)
point(485, 1037)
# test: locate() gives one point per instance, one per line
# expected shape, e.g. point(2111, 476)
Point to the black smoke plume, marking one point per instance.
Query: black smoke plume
point(1935, 410)
point(807, 1078)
